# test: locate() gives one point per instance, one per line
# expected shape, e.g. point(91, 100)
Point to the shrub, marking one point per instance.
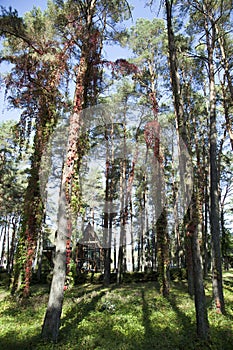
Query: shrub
point(178, 273)
point(5, 279)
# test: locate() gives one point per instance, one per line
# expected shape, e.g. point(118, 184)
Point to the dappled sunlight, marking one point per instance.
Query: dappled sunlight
point(126, 317)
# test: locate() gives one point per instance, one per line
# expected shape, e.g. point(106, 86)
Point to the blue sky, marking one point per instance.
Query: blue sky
point(26, 5)
point(140, 10)
point(111, 53)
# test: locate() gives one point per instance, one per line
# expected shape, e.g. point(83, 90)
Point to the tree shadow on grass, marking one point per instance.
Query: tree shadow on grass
point(80, 310)
point(13, 341)
point(154, 323)
point(151, 337)
point(146, 317)
point(117, 331)
point(167, 337)
point(228, 284)
point(187, 327)
point(222, 337)
point(84, 290)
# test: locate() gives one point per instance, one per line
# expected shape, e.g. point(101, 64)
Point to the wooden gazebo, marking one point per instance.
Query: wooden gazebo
point(88, 252)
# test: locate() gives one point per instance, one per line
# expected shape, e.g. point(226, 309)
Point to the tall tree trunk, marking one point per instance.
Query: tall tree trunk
point(224, 242)
point(214, 180)
point(128, 201)
point(142, 228)
point(199, 293)
point(123, 214)
point(69, 187)
point(34, 206)
point(189, 262)
point(161, 227)
point(107, 212)
point(226, 106)
point(202, 322)
point(132, 235)
point(152, 135)
point(51, 323)
point(206, 258)
point(154, 248)
point(138, 252)
point(3, 233)
point(33, 211)
point(163, 253)
point(226, 67)
point(39, 259)
point(13, 242)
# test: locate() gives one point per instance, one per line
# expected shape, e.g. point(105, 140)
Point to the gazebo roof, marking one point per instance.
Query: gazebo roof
point(90, 237)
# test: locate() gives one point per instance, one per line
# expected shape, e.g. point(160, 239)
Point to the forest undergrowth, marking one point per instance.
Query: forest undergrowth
point(127, 317)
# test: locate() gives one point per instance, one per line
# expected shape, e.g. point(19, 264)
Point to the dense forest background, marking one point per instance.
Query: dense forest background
point(117, 166)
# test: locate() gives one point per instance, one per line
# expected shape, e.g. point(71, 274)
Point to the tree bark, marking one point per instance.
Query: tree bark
point(201, 317)
point(199, 293)
point(123, 214)
point(107, 214)
point(214, 180)
point(189, 264)
point(51, 323)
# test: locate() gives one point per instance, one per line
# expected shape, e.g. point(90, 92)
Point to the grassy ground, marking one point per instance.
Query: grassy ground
point(130, 317)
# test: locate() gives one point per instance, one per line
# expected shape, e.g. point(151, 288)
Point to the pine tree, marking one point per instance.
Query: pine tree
point(87, 24)
point(200, 304)
point(33, 82)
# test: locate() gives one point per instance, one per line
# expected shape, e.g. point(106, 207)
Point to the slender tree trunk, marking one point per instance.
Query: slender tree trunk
point(202, 321)
point(154, 249)
point(123, 213)
point(226, 67)
point(33, 210)
point(214, 180)
point(226, 106)
point(107, 253)
point(132, 235)
point(199, 293)
point(189, 263)
point(162, 234)
point(107, 215)
point(206, 259)
point(142, 228)
point(152, 135)
point(163, 253)
point(175, 215)
point(13, 242)
point(115, 255)
point(8, 245)
point(224, 243)
point(39, 260)
point(139, 253)
point(3, 252)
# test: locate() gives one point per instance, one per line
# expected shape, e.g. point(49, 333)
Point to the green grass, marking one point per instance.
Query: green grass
point(133, 316)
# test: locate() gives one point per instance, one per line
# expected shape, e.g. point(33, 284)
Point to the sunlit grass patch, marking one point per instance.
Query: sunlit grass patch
point(126, 317)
